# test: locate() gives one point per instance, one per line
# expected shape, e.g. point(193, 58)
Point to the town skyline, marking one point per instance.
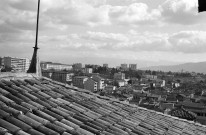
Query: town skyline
point(105, 31)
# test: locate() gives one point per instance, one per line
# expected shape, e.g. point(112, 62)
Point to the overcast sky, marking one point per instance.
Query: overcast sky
point(146, 32)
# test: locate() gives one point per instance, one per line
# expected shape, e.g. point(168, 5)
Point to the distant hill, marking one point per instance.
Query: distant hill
point(199, 67)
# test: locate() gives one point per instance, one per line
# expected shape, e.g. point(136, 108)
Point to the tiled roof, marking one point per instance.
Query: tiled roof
point(82, 77)
point(39, 106)
point(97, 78)
point(192, 105)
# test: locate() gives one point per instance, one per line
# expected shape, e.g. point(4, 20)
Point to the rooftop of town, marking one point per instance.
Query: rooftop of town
point(37, 105)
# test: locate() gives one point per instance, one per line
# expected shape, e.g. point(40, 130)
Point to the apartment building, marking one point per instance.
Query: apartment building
point(94, 83)
point(100, 82)
point(124, 66)
point(55, 66)
point(79, 81)
point(59, 76)
point(17, 64)
point(91, 85)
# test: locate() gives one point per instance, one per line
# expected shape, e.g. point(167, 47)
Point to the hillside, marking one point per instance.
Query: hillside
point(199, 67)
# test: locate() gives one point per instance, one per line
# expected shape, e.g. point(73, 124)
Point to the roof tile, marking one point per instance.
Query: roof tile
point(29, 121)
point(10, 127)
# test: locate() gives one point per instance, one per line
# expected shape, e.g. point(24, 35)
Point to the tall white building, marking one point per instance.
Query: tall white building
point(124, 66)
point(55, 66)
point(18, 64)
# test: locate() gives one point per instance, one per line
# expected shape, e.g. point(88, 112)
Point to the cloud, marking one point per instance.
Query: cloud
point(180, 42)
point(90, 13)
point(28, 5)
point(108, 37)
point(101, 12)
point(22, 13)
point(189, 41)
point(134, 14)
point(104, 28)
point(79, 13)
point(183, 41)
point(131, 41)
point(184, 12)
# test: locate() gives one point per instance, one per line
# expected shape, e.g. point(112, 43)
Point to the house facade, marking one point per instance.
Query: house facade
point(79, 81)
point(100, 82)
point(91, 85)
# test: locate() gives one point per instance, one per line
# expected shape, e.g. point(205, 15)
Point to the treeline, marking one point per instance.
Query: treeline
point(111, 71)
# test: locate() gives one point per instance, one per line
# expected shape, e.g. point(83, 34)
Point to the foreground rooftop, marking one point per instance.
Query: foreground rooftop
point(38, 106)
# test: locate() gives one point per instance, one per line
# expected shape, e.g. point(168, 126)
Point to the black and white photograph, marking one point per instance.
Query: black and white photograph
point(102, 67)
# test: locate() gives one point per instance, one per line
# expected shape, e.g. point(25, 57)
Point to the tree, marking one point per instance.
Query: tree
point(169, 73)
point(148, 71)
point(154, 73)
point(114, 70)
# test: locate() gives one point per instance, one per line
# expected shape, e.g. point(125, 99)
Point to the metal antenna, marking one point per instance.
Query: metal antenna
point(32, 67)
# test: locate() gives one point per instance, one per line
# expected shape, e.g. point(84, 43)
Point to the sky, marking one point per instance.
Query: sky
point(144, 32)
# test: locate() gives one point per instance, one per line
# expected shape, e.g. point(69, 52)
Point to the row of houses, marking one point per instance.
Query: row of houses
point(67, 67)
point(93, 83)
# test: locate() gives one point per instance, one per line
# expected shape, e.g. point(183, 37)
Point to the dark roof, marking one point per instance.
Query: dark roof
point(92, 80)
point(81, 77)
point(140, 94)
point(192, 105)
point(167, 106)
point(40, 106)
point(197, 110)
point(183, 95)
point(97, 77)
point(153, 96)
point(171, 98)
